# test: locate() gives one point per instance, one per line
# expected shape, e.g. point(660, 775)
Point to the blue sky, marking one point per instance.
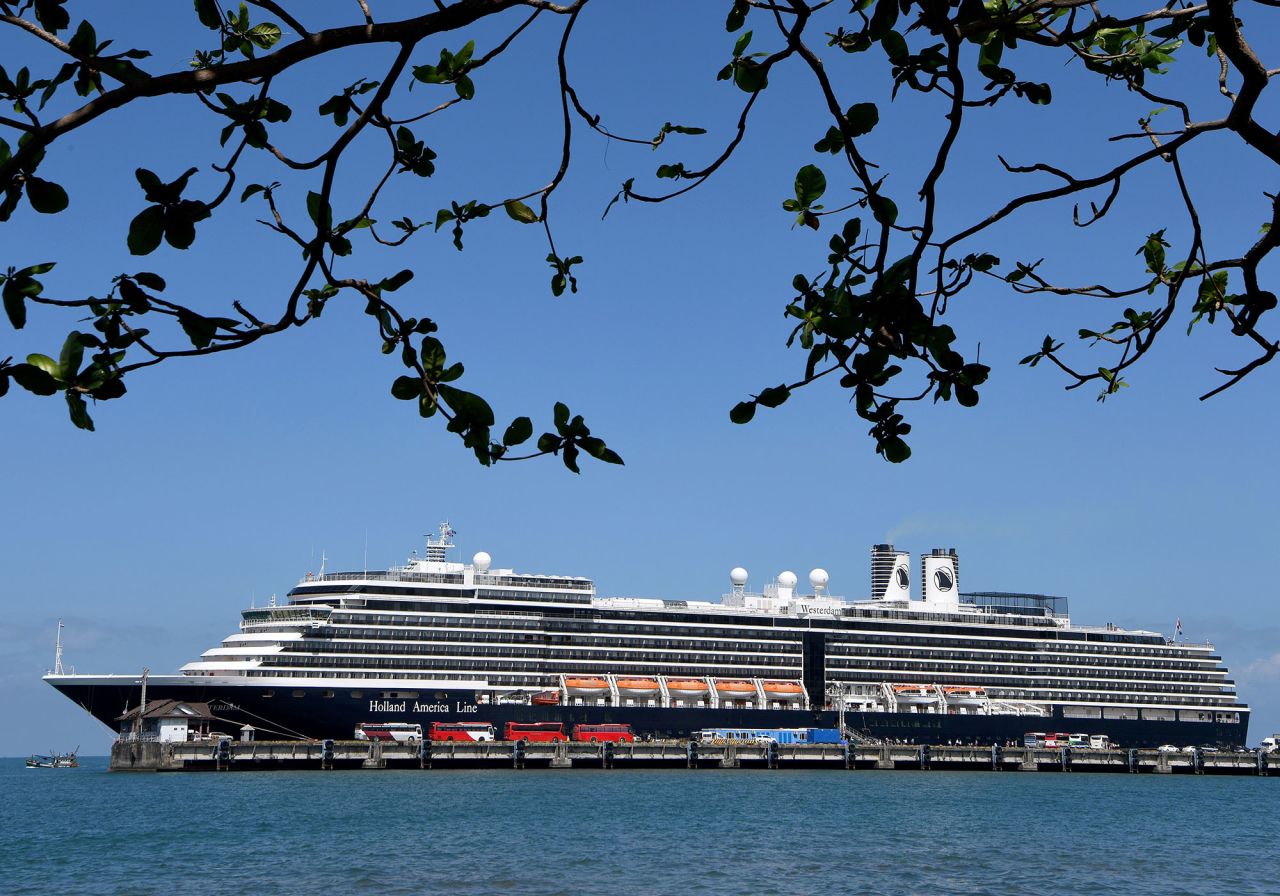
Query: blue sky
point(219, 481)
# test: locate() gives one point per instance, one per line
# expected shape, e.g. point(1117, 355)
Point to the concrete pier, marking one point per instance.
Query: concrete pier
point(235, 755)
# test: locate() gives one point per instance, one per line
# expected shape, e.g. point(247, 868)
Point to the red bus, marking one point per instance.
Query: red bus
point(593, 733)
point(534, 731)
point(472, 731)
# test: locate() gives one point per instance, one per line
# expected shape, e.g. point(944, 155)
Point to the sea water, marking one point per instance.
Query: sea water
point(65, 832)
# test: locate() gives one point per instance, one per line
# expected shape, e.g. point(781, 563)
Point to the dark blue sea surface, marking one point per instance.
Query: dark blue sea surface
point(588, 832)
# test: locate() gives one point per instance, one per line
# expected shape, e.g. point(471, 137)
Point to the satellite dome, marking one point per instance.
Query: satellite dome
point(738, 576)
point(481, 561)
point(787, 579)
point(819, 578)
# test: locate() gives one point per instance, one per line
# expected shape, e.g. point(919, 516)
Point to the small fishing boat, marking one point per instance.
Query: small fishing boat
point(55, 760)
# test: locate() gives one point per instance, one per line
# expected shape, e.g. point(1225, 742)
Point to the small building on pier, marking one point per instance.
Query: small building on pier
point(167, 721)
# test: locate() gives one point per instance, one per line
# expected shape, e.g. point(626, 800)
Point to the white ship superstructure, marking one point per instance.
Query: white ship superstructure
point(436, 624)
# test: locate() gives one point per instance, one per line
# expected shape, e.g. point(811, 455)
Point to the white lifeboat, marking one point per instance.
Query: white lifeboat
point(964, 695)
point(914, 694)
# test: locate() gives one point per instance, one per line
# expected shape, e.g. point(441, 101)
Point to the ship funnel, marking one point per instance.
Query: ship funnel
point(940, 578)
point(890, 573)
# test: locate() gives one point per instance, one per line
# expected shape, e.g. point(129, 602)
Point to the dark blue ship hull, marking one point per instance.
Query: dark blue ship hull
point(317, 713)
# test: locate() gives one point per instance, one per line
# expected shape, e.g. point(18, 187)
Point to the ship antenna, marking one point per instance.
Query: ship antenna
point(366, 550)
point(142, 706)
point(322, 559)
point(57, 651)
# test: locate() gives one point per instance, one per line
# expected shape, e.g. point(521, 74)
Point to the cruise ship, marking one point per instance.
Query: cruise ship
point(438, 640)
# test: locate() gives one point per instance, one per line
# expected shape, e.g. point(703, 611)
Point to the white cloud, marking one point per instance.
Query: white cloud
point(1265, 670)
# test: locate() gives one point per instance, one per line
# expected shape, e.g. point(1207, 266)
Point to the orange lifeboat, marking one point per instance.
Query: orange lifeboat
point(546, 698)
point(787, 691)
point(687, 690)
point(637, 687)
point(735, 689)
point(586, 687)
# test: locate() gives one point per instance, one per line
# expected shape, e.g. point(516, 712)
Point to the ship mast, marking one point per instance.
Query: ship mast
point(57, 651)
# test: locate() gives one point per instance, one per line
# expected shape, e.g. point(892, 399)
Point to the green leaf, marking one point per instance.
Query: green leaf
point(406, 388)
point(318, 209)
point(750, 76)
point(464, 87)
point(146, 230)
point(395, 281)
point(34, 379)
point(895, 47)
point(895, 450)
point(265, 36)
point(15, 306)
point(742, 412)
point(47, 365)
point(209, 14)
point(520, 430)
point(569, 455)
point(180, 222)
point(518, 211)
point(862, 118)
point(811, 183)
point(79, 413)
point(741, 44)
point(199, 329)
point(45, 196)
point(72, 356)
point(737, 16)
point(883, 209)
point(774, 396)
point(150, 280)
point(467, 406)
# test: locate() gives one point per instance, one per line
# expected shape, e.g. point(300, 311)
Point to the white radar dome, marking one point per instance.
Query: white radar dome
point(481, 561)
point(819, 578)
point(787, 579)
point(738, 576)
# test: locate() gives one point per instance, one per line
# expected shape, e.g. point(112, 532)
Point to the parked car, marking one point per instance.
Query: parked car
point(1167, 748)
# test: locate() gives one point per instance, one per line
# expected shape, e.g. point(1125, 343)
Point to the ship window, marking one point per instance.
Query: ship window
point(300, 693)
point(327, 694)
point(268, 693)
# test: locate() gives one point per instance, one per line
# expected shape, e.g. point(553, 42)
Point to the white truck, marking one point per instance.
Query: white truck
point(1270, 744)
